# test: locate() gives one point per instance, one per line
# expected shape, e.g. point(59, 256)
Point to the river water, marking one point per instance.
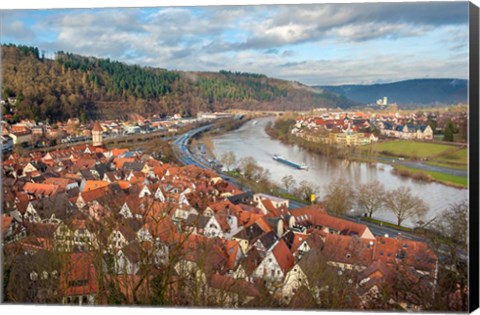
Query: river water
point(251, 140)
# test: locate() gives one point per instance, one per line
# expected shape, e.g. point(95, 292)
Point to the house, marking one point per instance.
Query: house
point(276, 263)
point(12, 230)
point(276, 202)
point(333, 225)
point(78, 279)
point(76, 235)
point(38, 190)
point(64, 184)
point(21, 137)
point(229, 292)
point(7, 143)
point(305, 273)
point(128, 260)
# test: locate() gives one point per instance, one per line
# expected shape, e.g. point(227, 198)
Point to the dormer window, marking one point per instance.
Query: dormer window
point(348, 256)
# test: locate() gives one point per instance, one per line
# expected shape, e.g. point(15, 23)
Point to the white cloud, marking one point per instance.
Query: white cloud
point(262, 39)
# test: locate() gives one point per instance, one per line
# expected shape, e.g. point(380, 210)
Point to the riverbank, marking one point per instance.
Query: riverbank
point(400, 154)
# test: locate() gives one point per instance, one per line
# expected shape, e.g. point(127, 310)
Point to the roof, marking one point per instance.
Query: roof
point(95, 184)
point(6, 221)
point(78, 275)
point(411, 253)
point(284, 256)
point(226, 283)
point(40, 189)
point(97, 127)
point(268, 239)
point(252, 261)
point(341, 226)
point(348, 250)
point(303, 299)
point(61, 182)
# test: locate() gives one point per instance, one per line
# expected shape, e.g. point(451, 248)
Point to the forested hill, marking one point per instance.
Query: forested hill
point(73, 85)
point(409, 93)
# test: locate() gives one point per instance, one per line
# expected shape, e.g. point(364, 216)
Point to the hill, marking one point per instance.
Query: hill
point(409, 93)
point(87, 87)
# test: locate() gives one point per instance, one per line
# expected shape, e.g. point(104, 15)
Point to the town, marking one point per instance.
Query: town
point(29, 134)
point(88, 225)
point(360, 128)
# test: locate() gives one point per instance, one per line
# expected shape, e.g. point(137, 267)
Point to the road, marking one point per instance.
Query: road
point(420, 166)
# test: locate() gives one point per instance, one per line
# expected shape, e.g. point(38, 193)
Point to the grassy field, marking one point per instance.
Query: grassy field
point(383, 223)
point(457, 160)
point(458, 181)
point(408, 149)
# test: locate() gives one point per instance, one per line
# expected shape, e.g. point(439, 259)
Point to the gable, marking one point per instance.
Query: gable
point(125, 211)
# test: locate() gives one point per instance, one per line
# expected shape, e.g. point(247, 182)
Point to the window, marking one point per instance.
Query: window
point(33, 276)
point(381, 253)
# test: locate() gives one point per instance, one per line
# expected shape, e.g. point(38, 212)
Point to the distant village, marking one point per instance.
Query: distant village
point(125, 227)
point(30, 134)
point(360, 128)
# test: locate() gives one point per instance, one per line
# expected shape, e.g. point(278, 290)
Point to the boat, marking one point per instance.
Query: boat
point(281, 159)
point(254, 122)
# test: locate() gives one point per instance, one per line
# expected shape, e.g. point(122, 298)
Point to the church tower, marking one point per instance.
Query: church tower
point(97, 133)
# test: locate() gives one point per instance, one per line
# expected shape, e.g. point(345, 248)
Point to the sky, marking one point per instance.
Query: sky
point(316, 44)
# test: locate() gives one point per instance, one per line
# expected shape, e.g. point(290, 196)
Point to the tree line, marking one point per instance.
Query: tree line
point(74, 85)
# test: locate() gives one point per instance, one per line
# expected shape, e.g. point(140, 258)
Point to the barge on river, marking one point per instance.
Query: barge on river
point(281, 159)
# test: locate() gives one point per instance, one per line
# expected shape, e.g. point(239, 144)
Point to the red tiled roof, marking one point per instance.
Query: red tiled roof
point(412, 253)
point(78, 276)
point(97, 127)
point(43, 189)
point(284, 256)
point(95, 184)
point(61, 182)
point(6, 221)
point(118, 162)
point(226, 283)
point(116, 152)
point(348, 249)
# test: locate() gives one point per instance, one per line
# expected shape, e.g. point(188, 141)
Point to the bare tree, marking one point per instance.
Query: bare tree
point(248, 166)
point(453, 223)
point(370, 197)
point(306, 189)
point(404, 204)
point(340, 196)
point(288, 181)
point(228, 159)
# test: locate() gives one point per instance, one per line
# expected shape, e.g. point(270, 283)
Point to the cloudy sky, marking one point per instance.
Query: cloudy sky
point(314, 44)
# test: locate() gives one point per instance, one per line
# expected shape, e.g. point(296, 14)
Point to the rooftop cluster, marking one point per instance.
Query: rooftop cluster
point(87, 225)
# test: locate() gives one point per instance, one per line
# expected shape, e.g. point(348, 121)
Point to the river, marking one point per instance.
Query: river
point(252, 140)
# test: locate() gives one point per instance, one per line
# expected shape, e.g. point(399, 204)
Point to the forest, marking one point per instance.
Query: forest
point(71, 85)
